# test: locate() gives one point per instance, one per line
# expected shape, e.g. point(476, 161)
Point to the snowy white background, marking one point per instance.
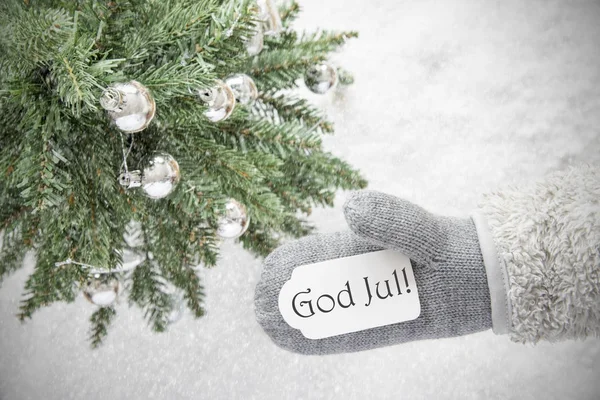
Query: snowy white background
point(451, 99)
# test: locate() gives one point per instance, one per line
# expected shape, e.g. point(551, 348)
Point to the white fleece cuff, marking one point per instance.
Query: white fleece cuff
point(497, 276)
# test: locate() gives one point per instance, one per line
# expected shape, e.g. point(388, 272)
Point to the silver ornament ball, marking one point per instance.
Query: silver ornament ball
point(158, 178)
point(129, 105)
point(101, 290)
point(235, 221)
point(320, 78)
point(220, 101)
point(243, 87)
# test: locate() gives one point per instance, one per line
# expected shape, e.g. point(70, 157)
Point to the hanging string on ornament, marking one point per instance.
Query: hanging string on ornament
point(243, 87)
point(320, 78)
point(158, 178)
point(269, 15)
point(234, 222)
point(129, 105)
point(102, 290)
point(126, 152)
point(220, 101)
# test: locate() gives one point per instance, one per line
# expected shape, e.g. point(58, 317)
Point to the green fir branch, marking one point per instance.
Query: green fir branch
point(275, 138)
point(259, 240)
point(282, 107)
point(279, 68)
point(49, 283)
point(160, 22)
point(289, 12)
point(148, 292)
point(101, 320)
point(61, 158)
point(12, 251)
point(324, 41)
point(175, 79)
point(36, 35)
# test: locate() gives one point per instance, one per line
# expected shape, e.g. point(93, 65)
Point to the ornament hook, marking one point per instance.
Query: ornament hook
point(131, 179)
point(111, 99)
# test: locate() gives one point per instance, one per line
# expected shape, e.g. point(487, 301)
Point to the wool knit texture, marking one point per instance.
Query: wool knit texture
point(447, 264)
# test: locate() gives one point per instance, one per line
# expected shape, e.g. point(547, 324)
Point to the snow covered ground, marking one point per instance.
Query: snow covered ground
point(451, 99)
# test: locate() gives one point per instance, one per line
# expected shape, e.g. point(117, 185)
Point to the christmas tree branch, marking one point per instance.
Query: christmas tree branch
point(297, 227)
point(290, 196)
point(74, 84)
point(161, 22)
point(49, 283)
point(243, 132)
point(100, 321)
point(332, 172)
point(324, 41)
point(259, 240)
point(45, 182)
point(175, 79)
point(318, 177)
point(62, 155)
point(279, 68)
point(193, 292)
point(148, 292)
point(91, 209)
point(176, 269)
point(290, 56)
point(281, 138)
point(289, 12)
point(12, 251)
point(234, 169)
point(291, 108)
point(34, 36)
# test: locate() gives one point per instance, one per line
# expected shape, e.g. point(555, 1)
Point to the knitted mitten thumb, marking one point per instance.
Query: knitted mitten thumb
point(446, 260)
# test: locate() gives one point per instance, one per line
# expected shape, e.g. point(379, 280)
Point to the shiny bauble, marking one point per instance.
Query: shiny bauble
point(235, 221)
point(243, 87)
point(129, 105)
point(158, 178)
point(101, 290)
point(320, 78)
point(220, 101)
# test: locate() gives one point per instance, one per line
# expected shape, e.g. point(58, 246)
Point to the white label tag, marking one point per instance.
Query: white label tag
point(350, 294)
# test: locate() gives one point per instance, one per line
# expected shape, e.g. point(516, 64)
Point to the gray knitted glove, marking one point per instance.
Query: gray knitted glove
point(446, 259)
